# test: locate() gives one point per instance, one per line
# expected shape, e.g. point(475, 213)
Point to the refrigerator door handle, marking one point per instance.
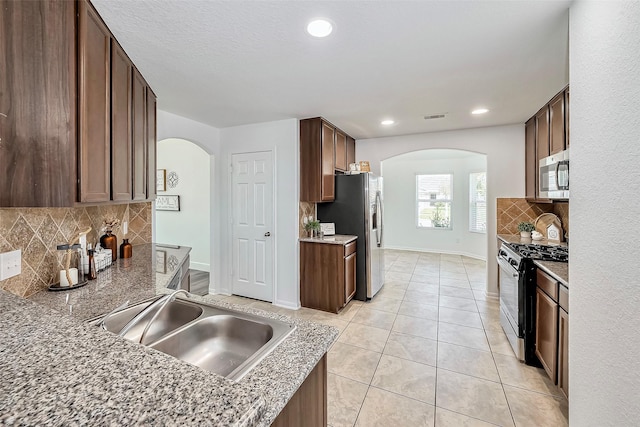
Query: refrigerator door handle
point(380, 228)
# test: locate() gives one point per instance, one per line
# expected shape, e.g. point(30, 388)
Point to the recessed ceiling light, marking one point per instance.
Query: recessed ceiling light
point(319, 28)
point(480, 111)
point(387, 122)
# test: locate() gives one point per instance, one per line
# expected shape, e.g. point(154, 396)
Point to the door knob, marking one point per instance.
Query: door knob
point(267, 234)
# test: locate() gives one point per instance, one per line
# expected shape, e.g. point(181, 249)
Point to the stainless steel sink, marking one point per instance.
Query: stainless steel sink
point(177, 313)
point(226, 342)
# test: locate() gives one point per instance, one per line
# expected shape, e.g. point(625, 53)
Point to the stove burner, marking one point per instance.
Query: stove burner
point(542, 252)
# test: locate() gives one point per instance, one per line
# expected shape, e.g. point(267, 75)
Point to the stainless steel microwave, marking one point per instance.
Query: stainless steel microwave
point(554, 176)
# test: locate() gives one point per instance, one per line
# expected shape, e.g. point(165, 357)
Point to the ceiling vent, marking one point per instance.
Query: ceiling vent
point(435, 116)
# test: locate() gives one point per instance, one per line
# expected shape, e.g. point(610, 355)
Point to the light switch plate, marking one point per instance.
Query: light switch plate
point(10, 264)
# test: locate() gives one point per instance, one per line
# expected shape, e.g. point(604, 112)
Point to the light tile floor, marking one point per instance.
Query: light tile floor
point(428, 350)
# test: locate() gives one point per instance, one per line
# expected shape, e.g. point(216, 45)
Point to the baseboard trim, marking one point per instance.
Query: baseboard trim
point(200, 266)
point(286, 304)
point(492, 295)
point(436, 251)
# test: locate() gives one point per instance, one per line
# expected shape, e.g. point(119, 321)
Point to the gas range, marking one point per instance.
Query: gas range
point(541, 252)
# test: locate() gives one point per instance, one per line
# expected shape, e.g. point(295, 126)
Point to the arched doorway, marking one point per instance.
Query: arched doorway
point(187, 171)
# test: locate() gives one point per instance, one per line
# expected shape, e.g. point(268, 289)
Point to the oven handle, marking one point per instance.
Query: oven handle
point(508, 267)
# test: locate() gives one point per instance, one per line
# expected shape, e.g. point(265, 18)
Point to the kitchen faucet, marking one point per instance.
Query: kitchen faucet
point(162, 302)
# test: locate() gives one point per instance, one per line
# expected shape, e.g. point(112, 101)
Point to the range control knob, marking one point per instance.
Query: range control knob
point(513, 262)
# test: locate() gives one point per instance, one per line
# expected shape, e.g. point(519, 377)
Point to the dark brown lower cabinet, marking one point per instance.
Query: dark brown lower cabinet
point(327, 275)
point(547, 332)
point(563, 352)
point(308, 406)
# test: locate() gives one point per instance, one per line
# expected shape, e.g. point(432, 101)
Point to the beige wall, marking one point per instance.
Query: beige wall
point(37, 232)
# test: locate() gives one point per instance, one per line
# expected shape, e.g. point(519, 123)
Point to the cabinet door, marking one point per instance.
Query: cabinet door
point(542, 134)
point(328, 179)
point(151, 144)
point(531, 169)
point(563, 353)
point(349, 277)
point(341, 151)
point(94, 104)
point(556, 118)
point(121, 180)
point(547, 332)
point(37, 104)
point(138, 105)
point(566, 117)
point(322, 276)
point(351, 151)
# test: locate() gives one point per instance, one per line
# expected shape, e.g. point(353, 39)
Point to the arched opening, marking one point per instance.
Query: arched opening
point(186, 169)
point(436, 203)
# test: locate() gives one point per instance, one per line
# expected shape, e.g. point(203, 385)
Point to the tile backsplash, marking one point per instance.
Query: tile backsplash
point(37, 232)
point(512, 211)
point(305, 209)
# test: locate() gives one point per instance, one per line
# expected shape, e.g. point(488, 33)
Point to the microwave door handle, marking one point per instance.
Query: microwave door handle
point(564, 186)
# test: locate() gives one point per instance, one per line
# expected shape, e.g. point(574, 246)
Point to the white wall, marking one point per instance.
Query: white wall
point(208, 138)
point(401, 230)
point(190, 226)
point(280, 137)
point(504, 147)
point(604, 341)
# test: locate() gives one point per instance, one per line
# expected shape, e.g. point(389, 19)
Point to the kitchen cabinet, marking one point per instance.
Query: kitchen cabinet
point(308, 406)
point(546, 133)
point(341, 152)
point(152, 142)
point(531, 171)
point(139, 109)
point(546, 332)
point(121, 154)
point(563, 341)
point(557, 122)
point(65, 131)
point(38, 103)
point(351, 151)
point(324, 149)
point(327, 274)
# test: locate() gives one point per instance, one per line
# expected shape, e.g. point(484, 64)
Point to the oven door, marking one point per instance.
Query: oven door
point(511, 318)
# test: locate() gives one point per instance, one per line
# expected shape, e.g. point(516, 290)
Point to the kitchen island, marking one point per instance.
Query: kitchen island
point(57, 369)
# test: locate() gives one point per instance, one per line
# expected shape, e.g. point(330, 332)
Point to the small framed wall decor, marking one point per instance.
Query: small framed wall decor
point(168, 203)
point(161, 262)
point(161, 180)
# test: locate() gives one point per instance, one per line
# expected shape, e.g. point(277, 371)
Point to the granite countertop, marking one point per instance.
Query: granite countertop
point(559, 270)
point(57, 369)
point(337, 239)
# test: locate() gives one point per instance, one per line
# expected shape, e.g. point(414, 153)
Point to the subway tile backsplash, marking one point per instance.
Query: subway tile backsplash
point(37, 232)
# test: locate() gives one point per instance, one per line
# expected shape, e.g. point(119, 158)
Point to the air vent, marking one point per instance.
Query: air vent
point(435, 116)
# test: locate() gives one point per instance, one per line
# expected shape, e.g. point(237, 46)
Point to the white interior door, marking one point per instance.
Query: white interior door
point(252, 225)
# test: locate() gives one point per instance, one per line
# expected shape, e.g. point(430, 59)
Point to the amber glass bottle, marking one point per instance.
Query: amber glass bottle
point(109, 241)
point(126, 250)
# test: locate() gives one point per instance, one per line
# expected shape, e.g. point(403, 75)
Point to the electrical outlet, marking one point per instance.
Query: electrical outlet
point(10, 264)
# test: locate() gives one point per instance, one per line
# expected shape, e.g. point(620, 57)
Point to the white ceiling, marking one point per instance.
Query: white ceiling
point(227, 63)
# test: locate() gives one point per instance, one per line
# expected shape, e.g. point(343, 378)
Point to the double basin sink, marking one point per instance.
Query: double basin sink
point(227, 342)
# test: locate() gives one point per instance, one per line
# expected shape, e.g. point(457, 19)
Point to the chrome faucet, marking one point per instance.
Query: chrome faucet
point(111, 313)
point(162, 302)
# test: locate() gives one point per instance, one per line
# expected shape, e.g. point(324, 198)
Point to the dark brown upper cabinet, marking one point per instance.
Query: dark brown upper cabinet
point(323, 150)
point(121, 154)
point(139, 107)
point(531, 171)
point(38, 96)
point(341, 152)
point(542, 133)
point(351, 151)
point(557, 133)
point(151, 144)
point(66, 123)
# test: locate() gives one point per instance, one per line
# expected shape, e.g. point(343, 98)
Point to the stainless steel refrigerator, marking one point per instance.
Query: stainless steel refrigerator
point(357, 210)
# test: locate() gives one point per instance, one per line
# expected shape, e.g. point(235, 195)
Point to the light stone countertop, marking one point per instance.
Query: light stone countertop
point(57, 369)
point(559, 270)
point(337, 239)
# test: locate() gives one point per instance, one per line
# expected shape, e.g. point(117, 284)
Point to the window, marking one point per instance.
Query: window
point(478, 202)
point(433, 196)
